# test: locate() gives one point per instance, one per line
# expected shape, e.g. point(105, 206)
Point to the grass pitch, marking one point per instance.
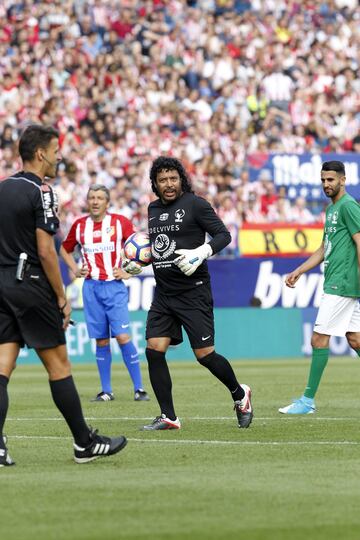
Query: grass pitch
point(284, 478)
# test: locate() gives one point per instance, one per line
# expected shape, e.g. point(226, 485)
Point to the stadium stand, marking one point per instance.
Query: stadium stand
point(209, 82)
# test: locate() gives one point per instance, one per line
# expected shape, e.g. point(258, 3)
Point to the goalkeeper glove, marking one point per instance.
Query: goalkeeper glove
point(190, 259)
point(131, 267)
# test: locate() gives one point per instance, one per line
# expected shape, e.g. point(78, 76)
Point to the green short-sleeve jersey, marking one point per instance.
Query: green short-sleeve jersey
point(341, 269)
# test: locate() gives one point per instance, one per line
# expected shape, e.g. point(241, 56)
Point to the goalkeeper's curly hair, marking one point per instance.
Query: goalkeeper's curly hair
point(164, 163)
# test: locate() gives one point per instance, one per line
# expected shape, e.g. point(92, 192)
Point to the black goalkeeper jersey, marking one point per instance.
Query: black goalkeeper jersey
point(182, 224)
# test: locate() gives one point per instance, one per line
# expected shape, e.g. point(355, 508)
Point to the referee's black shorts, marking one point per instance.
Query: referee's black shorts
point(192, 309)
point(29, 313)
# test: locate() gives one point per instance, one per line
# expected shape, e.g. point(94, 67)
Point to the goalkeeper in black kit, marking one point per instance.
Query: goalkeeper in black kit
point(178, 222)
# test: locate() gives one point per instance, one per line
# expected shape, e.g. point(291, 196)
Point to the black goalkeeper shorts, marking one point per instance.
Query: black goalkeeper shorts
point(28, 310)
point(192, 310)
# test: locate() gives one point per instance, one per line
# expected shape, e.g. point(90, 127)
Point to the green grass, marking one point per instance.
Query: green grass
point(282, 479)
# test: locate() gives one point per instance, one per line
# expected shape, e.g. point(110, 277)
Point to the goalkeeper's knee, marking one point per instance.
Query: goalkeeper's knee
point(207, 360)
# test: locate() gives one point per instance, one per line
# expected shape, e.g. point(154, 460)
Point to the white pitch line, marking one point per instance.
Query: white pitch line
point(204, 442)
point(248, 443)
point(200, 418)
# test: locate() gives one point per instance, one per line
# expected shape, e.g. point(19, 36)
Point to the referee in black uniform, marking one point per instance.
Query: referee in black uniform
point(33, 307)
point(178, 222)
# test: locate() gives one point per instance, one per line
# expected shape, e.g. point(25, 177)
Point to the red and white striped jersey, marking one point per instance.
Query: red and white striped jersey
point(100, 243)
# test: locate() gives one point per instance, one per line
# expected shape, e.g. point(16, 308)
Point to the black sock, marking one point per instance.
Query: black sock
point(67, 400)
point(161, 381)
point(221, 368)
point(4, 405)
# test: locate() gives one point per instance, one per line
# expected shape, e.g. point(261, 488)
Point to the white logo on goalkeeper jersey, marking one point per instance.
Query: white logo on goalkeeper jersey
point(162, 242)
point(162, 247)
point(179, 214)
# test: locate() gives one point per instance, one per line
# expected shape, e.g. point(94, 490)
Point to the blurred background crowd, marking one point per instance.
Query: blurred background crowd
point(210, 82)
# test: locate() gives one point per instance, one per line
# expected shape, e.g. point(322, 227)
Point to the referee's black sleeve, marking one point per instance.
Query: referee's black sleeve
point(45, 206)
point(212, 224)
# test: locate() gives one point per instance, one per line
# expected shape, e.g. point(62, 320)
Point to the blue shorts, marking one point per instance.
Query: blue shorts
point(106, 308)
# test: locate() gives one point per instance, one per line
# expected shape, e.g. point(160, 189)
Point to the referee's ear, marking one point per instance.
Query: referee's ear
point(38, 154)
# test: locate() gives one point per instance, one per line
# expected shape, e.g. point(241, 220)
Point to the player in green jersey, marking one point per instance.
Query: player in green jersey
point(339, 311)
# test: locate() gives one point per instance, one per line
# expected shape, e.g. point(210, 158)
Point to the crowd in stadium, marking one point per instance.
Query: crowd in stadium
point(209, 82)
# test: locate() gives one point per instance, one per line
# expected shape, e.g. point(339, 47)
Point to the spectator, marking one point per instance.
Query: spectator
point(301, 214)
point(268, 198)
point(252, 212)
point(280, 211)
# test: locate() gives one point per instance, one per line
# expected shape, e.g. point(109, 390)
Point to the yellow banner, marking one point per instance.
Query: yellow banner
point(283, 240)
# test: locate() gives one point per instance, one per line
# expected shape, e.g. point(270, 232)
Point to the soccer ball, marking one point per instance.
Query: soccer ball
point(138, 248)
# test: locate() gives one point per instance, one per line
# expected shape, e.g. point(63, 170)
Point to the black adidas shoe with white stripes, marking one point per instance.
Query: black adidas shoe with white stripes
point(141, 395)
point(100, 446)
point(104, 396)
point(5, 459)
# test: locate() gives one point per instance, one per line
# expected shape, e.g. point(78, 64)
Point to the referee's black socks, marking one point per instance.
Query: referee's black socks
point(4, 405)
point(161, 381)
point(67, 400)
point(221, 368)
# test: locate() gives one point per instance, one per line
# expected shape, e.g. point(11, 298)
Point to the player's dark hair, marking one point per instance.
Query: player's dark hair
point(99, 187)
point(336, 166)
point(33, 137)
point(164, 163)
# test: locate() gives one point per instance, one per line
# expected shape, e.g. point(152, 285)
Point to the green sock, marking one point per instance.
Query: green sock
point(318, 364)
point(357, 351)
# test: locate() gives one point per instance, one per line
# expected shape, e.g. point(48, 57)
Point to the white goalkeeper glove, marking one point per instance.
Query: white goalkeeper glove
point(190, 259)
point(131, 267)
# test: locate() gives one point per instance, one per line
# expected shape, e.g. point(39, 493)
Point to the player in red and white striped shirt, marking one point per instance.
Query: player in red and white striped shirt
point(101, 236)
point(101, 243)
